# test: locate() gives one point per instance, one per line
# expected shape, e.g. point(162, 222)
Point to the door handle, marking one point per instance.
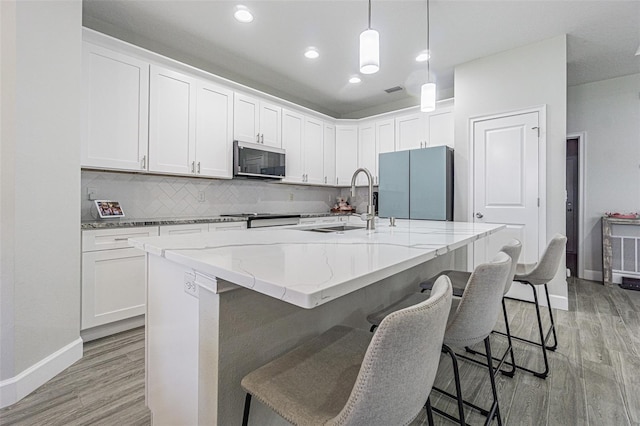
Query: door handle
point(479, 215)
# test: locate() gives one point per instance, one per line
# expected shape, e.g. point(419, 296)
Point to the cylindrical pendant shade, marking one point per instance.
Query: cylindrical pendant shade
point(428, 97)
point(369, 51)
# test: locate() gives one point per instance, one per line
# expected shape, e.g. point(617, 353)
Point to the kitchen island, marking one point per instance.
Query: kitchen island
point(221, 304)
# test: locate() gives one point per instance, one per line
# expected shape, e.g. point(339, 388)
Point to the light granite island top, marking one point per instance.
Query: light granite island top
point(308, 268)
point(221, 304)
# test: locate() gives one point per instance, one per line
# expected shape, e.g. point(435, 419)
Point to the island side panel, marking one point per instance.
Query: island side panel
point(254, 328)
point(172, 345)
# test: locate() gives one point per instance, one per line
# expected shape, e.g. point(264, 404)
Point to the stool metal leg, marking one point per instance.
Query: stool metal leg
point(553, 325)
point(494, 411)
point(427, 407)
point(247, 407)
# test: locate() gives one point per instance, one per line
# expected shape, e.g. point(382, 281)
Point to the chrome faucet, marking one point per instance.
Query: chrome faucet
point(370, 215)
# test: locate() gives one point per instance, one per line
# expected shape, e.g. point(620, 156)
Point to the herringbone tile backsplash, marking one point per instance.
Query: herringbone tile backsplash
point(153, 197)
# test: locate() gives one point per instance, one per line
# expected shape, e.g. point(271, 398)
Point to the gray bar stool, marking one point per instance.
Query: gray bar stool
point(470, 321)
point(539, 274)
point(459, 280)
point(348, 376)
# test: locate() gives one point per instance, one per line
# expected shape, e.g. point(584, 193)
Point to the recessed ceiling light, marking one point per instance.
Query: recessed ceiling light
point(243, 14)
point(311, 53)
point(355, 80)
point(423, 56)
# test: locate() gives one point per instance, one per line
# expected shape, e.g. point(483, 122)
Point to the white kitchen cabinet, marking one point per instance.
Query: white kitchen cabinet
point(329, 156)
point(190, 125)
point(367, 153)
point(113, 275)
point(256, 120)
point(346, 153)
point(323, 220)
point(441, 128)
point(181, 229)
point(214, 127)
point(385, 141)
point(313, 151)
point(292, 143)
point(115, 110)
point(411, 131)
point(172, 122)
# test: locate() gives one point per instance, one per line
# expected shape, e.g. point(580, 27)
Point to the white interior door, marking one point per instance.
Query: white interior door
point(506, 184)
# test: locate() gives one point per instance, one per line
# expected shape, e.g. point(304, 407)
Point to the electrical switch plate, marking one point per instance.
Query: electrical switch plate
point(190, 286)
point(91, 194)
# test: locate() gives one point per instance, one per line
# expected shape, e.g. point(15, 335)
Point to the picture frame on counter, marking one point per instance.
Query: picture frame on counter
point(108, 209)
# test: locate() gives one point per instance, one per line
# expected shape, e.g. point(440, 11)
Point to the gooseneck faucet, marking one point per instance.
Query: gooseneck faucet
point(370, 215)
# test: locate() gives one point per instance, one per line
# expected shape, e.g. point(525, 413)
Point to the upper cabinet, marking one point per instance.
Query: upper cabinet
point(189, 125)
point(329, 156)
point(256, 121)
point(314, 151)
point(292, 143)
point(346, 153)
point(441, 128)
point(411, 131)
point(367, 152)
point(115, 110)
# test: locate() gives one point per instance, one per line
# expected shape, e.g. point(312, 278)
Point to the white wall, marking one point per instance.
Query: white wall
point(39, 203)
point(609, 113)
point(525, 77)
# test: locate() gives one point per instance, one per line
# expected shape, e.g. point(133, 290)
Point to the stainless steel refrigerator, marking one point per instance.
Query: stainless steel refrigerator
point(416, 184)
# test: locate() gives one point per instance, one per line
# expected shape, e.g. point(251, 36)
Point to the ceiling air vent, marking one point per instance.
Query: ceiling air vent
point(393, 89)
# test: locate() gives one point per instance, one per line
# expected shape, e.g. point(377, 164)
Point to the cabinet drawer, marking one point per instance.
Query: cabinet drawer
point(191, 228)
point(113, 238)
point(227, 226)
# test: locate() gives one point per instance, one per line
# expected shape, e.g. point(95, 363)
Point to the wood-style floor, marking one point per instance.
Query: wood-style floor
point(594, 380)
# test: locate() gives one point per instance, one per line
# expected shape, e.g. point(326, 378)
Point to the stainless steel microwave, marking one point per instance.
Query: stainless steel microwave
point(257, 160)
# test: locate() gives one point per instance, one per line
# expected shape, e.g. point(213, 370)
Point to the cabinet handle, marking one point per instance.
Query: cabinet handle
point(143, 164)
point(198, 167)
point(258, 138)
point(262, 138)
point(325, 179)
point(336, 180)
point(121, 239)
point(193, 167)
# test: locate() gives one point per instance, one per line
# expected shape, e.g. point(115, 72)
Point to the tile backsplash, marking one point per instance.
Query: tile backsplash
point(150, 196)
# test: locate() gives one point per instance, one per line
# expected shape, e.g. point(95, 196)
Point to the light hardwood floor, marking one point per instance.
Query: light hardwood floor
point(594, 380)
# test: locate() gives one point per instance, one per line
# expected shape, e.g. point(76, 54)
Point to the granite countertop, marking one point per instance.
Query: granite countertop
point(125, 223)
point(308, 269)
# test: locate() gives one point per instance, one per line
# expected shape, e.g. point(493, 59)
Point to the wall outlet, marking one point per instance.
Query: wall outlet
point(190, 286)
point(201, 197)
point(91, 194)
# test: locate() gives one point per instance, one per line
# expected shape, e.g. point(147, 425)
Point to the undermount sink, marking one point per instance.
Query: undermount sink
point(339, 228)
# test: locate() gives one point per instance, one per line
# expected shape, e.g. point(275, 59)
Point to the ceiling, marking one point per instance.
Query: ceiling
point(267, 54)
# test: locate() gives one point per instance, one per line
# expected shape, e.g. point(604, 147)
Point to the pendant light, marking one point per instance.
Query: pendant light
point(428, 91)
point(369, 49)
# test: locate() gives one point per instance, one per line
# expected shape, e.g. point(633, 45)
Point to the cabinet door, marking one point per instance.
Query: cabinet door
point(367, 153)
point(441, 129)
point(314, 151)
point(329, 154)
point(270, 122)
point(113, 286)
point(411, 131)
point(214, 124)
point(115, 110)
point(171, 122)
point(385, 140)
point(292, 136)
point(346, 153)
point(245, 118)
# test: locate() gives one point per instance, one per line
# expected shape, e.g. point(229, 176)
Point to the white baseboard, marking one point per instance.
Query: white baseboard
point(111, 328)
point(14, 389)
point(523, 292)
point(592, 275)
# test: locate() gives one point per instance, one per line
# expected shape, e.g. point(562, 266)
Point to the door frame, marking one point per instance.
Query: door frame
point(542, 170)
point(582, 196)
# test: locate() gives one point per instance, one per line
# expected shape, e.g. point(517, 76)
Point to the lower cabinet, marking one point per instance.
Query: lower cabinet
point(113, 275)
